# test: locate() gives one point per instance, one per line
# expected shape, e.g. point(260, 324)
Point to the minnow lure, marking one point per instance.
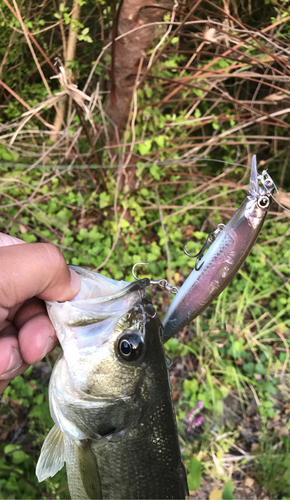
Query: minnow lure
point(217, 267)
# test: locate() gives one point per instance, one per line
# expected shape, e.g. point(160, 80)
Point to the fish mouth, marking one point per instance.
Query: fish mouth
point(131, 287)
point(94, 312)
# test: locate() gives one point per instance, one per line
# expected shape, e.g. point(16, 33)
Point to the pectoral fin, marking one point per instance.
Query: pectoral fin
point(82, 470)
point(89, 470)
point(51, 458)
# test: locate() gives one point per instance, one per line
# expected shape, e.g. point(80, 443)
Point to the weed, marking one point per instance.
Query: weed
point(272, 467)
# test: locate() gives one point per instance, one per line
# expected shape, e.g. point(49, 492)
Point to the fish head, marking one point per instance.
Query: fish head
point(260, 194)
point(111, 338)
point(131, 347)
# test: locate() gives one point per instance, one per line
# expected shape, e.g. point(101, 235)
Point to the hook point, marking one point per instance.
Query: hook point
point(138, 264)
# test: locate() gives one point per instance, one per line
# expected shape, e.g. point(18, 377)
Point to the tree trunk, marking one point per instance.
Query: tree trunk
point(128, 51)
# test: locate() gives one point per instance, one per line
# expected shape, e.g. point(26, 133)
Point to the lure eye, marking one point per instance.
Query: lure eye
point(130, 345)
point(263, 202)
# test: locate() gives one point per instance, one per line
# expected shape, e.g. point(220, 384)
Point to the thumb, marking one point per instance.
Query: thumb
point(35, 269)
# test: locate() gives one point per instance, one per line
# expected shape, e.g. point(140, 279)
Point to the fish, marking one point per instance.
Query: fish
point(216, 268)
point(110, 396)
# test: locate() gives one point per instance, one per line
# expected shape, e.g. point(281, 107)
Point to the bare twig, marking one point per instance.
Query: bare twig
point(32, 38)
point(24, 29)
point(164, 235)
point(25, 104)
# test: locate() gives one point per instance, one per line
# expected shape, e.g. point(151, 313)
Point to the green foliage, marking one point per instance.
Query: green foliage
point(228, 490)
point(273, 467)
point(194, 476)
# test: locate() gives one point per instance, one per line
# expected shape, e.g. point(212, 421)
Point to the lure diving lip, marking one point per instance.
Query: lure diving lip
point(221, 262)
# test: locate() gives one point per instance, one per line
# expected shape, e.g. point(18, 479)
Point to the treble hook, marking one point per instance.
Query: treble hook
point(210, 239)
point(163, 283)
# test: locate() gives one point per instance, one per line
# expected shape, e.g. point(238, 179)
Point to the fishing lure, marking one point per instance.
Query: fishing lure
point(230, 245)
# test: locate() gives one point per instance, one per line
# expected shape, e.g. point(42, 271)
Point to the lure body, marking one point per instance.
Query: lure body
point(224, 258)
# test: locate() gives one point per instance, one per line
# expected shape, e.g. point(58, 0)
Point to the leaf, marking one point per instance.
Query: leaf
point(10, 448)
point(194, 476)
point(159, 139)
point(216, 495)
point(145, 147)
point(124, 224)
point(260, 369)
point(155, 172)
point(249, 482)
point(7, 155)
point(176, 277)
point(227, 493)
point(249, 368)
point(278, 96)
point(267, 404)
point(19, 456)
point(148, 92)
point(104, 199)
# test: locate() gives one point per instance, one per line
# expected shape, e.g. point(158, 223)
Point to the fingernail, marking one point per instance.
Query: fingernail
point(14, 363)
point(50, 345)
point(75, 282)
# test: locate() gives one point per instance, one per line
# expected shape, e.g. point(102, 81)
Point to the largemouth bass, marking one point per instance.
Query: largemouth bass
point(110, 396)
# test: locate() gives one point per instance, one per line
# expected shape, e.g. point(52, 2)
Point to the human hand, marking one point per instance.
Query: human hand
point(29, 274)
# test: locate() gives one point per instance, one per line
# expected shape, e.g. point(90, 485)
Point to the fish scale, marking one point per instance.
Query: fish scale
point(152, 469)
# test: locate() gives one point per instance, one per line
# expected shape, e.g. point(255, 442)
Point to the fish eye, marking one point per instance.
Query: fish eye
point(263, 202)
point(130, 345)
